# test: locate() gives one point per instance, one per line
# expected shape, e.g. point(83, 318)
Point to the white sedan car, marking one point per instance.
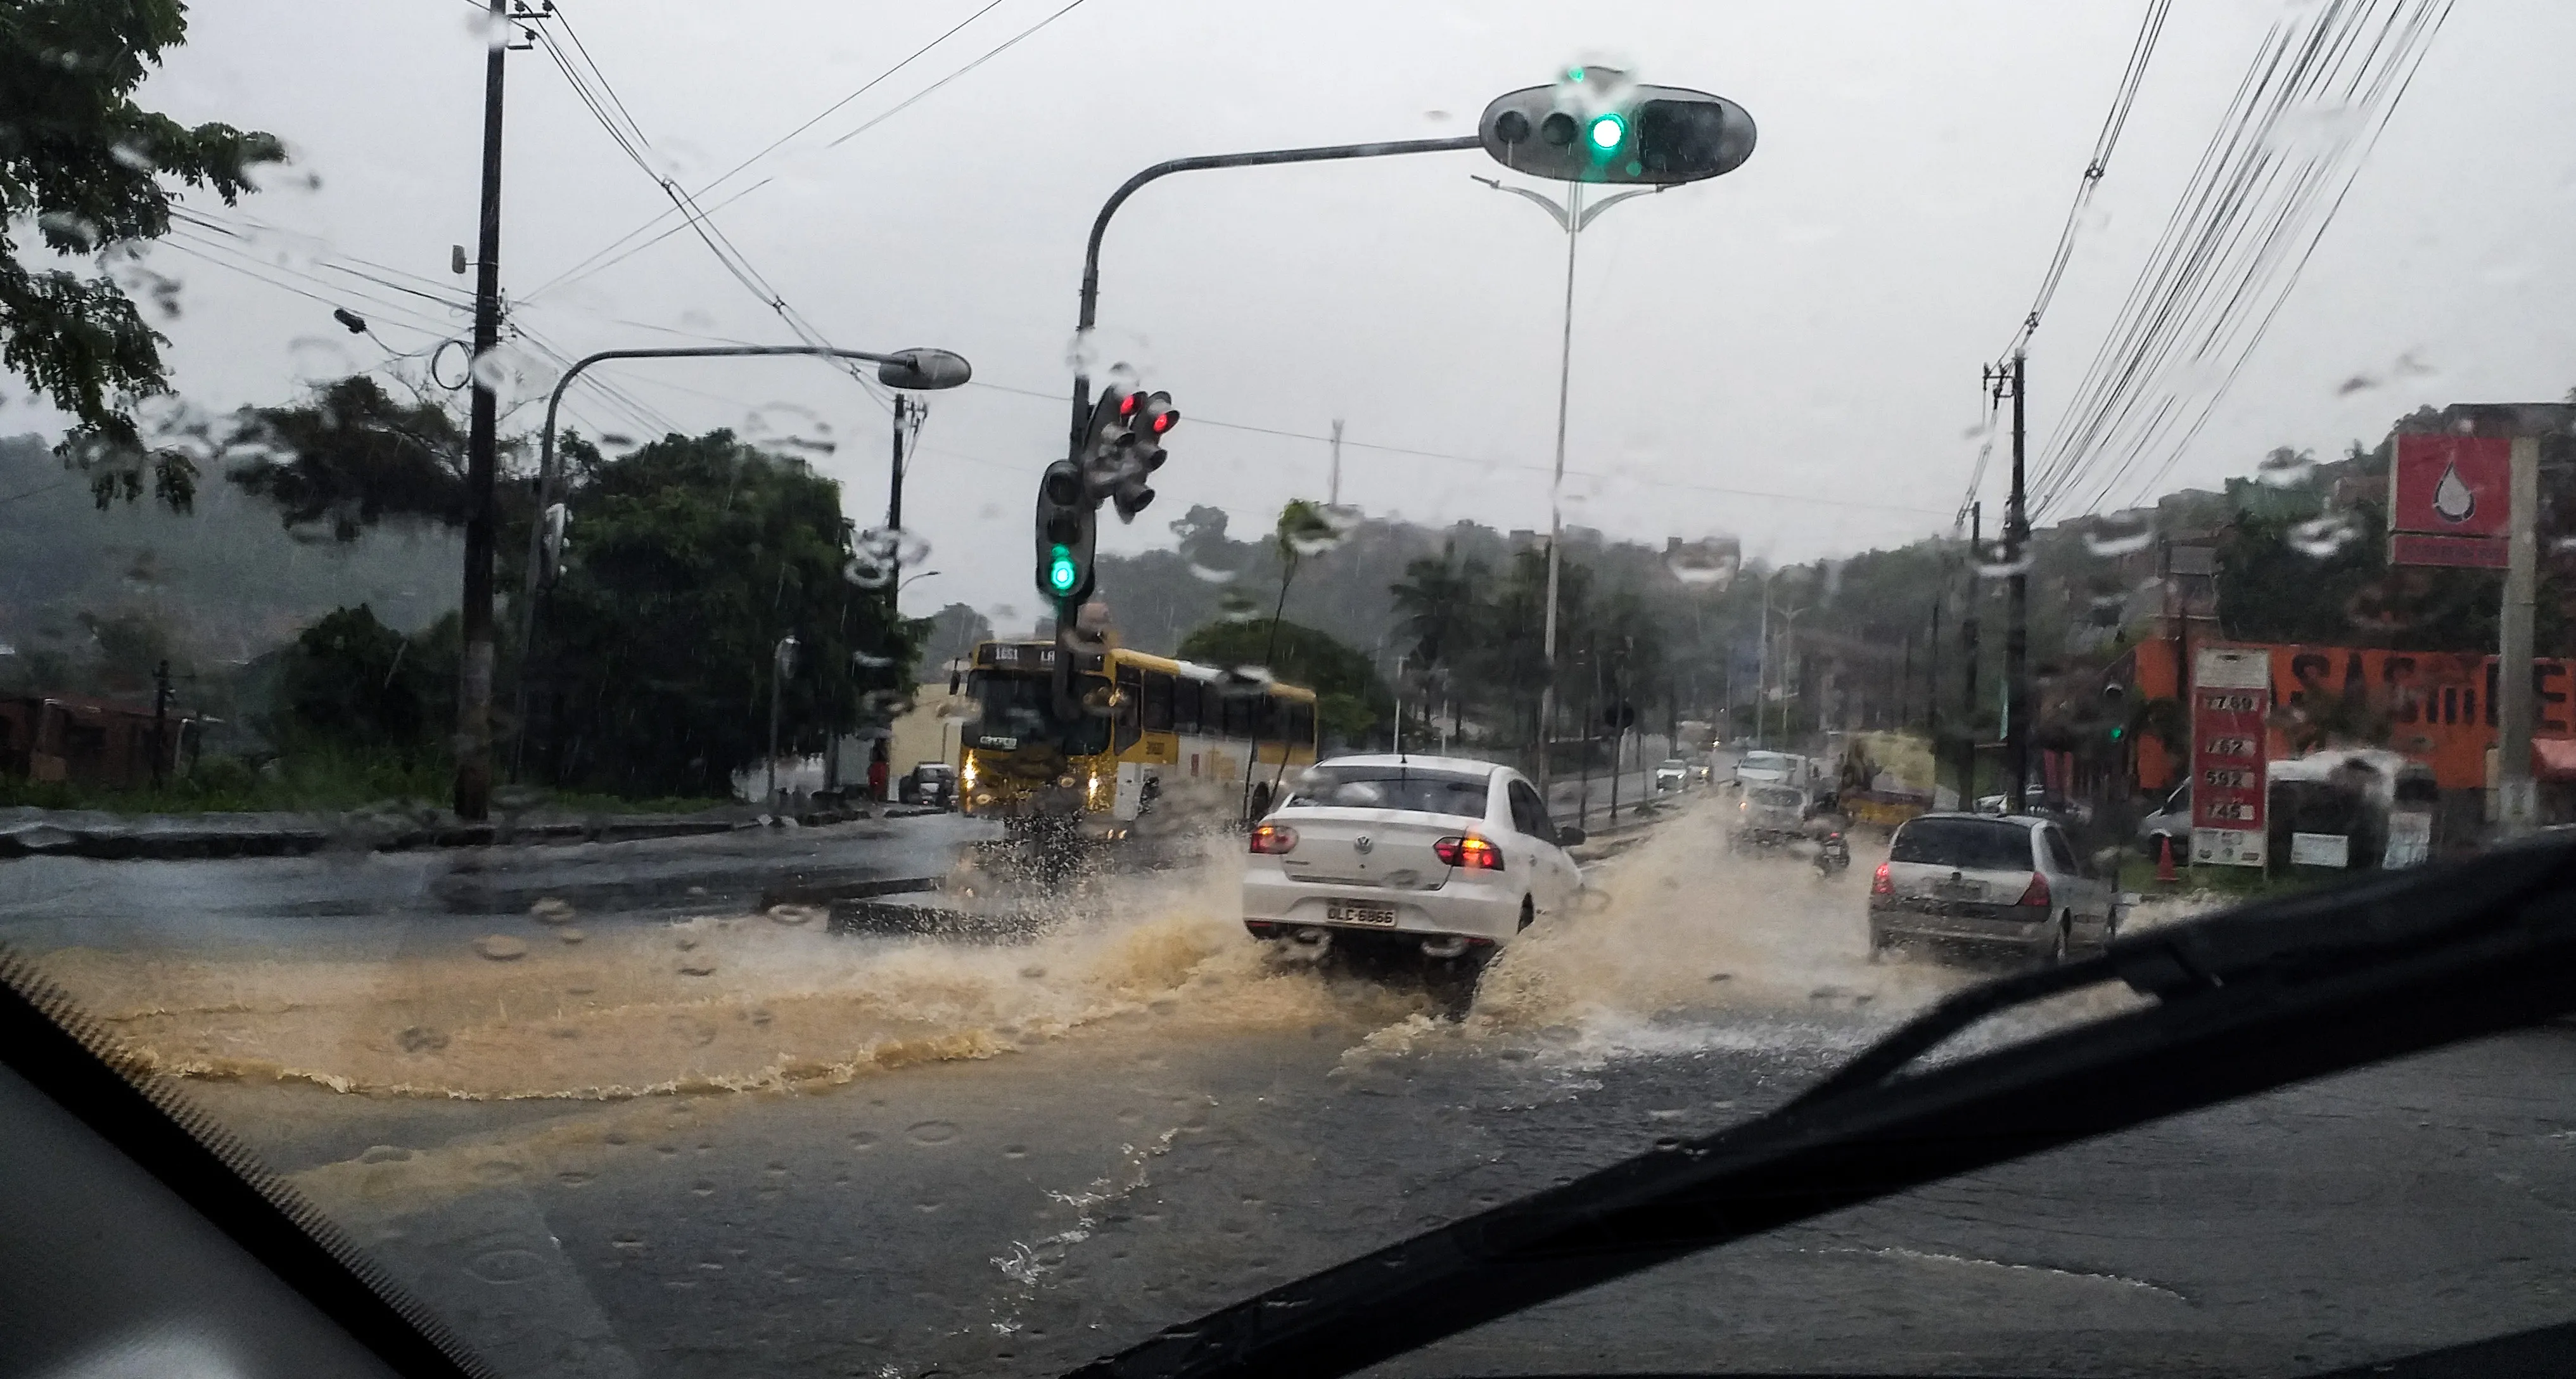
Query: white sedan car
point(1435, 858)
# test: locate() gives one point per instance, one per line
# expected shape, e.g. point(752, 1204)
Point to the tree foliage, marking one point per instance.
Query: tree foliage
point(691, 559)
point(1350, 699)
point(352, 457)
point(83, 163)
point(351, 682)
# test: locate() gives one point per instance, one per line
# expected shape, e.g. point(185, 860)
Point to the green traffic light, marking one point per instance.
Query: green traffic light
point(1607, 132)
point(1060, 571)
point(2118, 733)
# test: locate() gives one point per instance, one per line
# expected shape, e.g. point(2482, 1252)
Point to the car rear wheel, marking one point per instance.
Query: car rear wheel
point(1529, 911)
point(2058, 941)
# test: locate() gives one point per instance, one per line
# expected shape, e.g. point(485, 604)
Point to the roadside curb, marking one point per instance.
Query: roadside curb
point(185, 843)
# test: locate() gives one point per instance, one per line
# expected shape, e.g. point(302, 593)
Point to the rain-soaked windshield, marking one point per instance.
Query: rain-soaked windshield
point(1393, 787)
point(499, 501)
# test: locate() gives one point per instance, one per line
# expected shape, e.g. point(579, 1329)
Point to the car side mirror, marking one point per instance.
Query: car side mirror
point(1568, 835)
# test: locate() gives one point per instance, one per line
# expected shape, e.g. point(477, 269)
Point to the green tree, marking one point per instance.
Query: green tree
point(691, 559)
point(1350, 700)
point(353, 457)
point(1440, 603)
point(82, 162)
point(351, 682)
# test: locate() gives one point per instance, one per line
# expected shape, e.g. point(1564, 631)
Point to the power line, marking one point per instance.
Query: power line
point(2150, 28)
point(611, 254)
point(2237, 239)
point(598, 95)
point(1200, 419)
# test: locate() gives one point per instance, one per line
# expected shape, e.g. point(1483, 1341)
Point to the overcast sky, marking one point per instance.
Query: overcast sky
point(1810, 326)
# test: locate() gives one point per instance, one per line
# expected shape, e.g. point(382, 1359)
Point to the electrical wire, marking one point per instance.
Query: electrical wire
point(2142, 51)
point(596, 93)
point(1200, 419)
point(772, 146)
point(2235, 242)
point(610, 255)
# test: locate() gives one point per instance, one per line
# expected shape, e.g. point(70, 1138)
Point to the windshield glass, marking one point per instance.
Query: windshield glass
point(1963, 843)
point(1392, 787)
point(533, 537)
point(1012, 710)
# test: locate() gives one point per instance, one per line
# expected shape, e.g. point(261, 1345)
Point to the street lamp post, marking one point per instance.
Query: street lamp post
point(782, 663)
point(920, 369)
point(1572, 216)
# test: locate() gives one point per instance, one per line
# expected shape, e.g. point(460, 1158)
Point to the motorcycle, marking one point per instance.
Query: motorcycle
point(1833, 855)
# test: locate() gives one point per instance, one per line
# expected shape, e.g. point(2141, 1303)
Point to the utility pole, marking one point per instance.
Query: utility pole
point(474, 692)
point(2008, 382)
point(1968, 622)
point(161, 722)
point(1932, 683)
point(2516, 797)
point(904, 411)
point(1333, 489)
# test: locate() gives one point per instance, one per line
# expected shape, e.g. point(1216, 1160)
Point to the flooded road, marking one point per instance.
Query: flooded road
point(721, 1141)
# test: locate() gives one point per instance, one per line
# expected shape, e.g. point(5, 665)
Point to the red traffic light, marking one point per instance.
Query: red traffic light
point(1165, 422)
point(1127, 405)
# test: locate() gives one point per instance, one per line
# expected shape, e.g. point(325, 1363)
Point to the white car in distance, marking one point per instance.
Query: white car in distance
point(1420, 859)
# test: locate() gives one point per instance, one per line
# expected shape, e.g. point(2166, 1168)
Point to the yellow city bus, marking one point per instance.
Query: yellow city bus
point(1163, 740)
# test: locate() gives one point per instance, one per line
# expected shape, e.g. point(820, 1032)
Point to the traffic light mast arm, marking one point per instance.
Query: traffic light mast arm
point(1331, 153)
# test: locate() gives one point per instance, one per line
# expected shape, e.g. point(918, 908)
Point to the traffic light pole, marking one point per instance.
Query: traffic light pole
point(1332, 153)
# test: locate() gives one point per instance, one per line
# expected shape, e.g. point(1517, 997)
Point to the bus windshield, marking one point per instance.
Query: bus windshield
point(1011, 711)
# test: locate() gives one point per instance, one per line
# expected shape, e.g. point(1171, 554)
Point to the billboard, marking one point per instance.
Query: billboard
point(2231, 695)
point(2450, 500)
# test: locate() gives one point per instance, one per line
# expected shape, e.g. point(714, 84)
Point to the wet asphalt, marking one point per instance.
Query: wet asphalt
point(1051, 1199)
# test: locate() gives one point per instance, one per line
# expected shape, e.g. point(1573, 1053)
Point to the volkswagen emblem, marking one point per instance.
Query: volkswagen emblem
point(1363, 843)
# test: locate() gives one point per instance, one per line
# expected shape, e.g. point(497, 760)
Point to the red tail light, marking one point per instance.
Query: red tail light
point(1469, 852)
point(1878, 882)
point(1273, 839)
point(2036, 895)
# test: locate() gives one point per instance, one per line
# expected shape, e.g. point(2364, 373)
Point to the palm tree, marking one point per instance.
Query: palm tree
point(1441, 602)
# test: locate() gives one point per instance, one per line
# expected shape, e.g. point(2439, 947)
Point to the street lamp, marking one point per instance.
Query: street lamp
point(910, 580)
point(918, 369)
point(1572, 216)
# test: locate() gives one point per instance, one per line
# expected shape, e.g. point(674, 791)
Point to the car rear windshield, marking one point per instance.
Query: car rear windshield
point(1391, 787)
point(1963, 843)
point(1775, 797)
point(1763, 761)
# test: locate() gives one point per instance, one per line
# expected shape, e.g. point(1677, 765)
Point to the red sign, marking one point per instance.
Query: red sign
point(2426, 548)
point(2450, 500)
point(2231, 694)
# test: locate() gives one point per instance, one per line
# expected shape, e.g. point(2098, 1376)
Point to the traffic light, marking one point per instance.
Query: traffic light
point(1123, 444)
point(1066, 528)
point(2115, 702)
point(1595, 126)
point(557, 539)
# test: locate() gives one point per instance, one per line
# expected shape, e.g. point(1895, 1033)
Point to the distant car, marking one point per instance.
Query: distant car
point(1439, 860)
point(2172, 820)
point(1769, 816)
point(2041, 801)
point(2010, 881)
point(932, 783)
point(1768, 768)
point(1673, 774)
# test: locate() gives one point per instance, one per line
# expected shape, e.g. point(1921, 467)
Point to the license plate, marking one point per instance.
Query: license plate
point(1352, 912)
point(1958, 890)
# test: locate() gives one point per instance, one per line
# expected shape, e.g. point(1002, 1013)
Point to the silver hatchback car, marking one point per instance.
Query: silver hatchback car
point(1992, 880)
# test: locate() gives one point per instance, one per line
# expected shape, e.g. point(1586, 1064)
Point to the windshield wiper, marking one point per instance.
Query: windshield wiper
point(2245, 1001)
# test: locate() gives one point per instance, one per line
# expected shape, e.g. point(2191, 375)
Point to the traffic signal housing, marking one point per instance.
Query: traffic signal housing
point(557, 539)
point(1123, 444)
point(1597, 127)
point(1066, 531)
